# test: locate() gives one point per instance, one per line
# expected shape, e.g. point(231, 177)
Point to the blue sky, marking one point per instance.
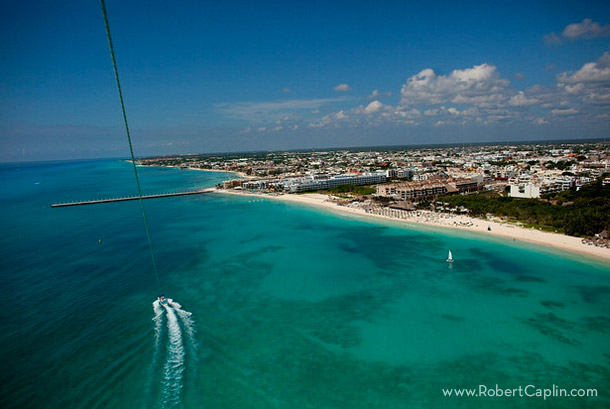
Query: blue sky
point(232, 76)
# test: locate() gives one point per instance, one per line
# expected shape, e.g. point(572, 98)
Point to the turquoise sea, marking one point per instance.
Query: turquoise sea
point(292, 307)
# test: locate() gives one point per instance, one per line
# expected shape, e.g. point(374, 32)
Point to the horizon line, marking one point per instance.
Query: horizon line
point(335, 148)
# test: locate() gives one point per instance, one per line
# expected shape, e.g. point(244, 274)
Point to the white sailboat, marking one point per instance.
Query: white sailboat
point(450, 257)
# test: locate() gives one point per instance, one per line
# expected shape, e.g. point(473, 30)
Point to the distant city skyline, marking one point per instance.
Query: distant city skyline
point(238, 76)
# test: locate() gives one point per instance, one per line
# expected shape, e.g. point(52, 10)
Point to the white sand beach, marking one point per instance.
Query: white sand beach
point(498, 228)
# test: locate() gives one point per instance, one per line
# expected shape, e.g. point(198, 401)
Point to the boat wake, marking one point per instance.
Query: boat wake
point(186, 318)
point(170, 376)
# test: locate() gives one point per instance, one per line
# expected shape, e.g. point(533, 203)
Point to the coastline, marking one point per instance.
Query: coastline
point(241, 175)
point(455, 222)
point(499, 229)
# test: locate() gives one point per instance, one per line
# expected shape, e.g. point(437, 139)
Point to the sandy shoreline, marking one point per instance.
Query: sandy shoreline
point(465, 223)
point(456, 222)
point(241, 175)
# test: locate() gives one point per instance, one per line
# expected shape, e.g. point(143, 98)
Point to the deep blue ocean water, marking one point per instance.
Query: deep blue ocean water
point(292, 307)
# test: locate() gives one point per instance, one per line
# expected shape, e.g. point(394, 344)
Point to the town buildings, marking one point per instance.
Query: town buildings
point(520, 170)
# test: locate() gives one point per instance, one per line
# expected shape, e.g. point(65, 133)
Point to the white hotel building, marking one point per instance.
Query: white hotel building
point(527, 187)
point(317, 182)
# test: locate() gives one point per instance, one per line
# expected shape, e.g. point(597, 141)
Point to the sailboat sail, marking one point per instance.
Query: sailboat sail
point(450, 257)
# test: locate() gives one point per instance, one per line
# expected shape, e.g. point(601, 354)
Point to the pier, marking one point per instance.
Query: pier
point(125, 199)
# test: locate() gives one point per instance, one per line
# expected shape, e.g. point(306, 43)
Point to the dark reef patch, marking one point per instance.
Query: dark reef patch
point(552, 304)
point(553, 327)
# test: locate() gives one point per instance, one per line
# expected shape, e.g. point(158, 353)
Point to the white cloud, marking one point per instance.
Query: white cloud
point(521, 100)
point(580, 95)
point(474, 111)
point(340, 115)
point(280, 125)
point(373, 107)
point(332, 119)
point(286, 90)
point(574, 89)
point(479, 85)
point(475, 75)
point(343, 88)
point(271, 110)
point(400, 114)
point(598, 97)
point(374, 114)
point(376, 94)
point(586, 29)
point(598, 71)
point(564, 112)
point(475, 95)
point(587, 90)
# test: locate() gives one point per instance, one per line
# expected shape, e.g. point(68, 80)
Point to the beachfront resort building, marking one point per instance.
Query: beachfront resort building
point(525, 190)
point(322, 181)
point(428, 189)
point(529, 187)
point(416, 190)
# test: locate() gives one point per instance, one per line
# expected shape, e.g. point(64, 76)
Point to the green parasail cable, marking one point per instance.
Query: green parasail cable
point(133, 159)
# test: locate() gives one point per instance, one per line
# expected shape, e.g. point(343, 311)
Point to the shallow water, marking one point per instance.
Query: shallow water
point(292, 306)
